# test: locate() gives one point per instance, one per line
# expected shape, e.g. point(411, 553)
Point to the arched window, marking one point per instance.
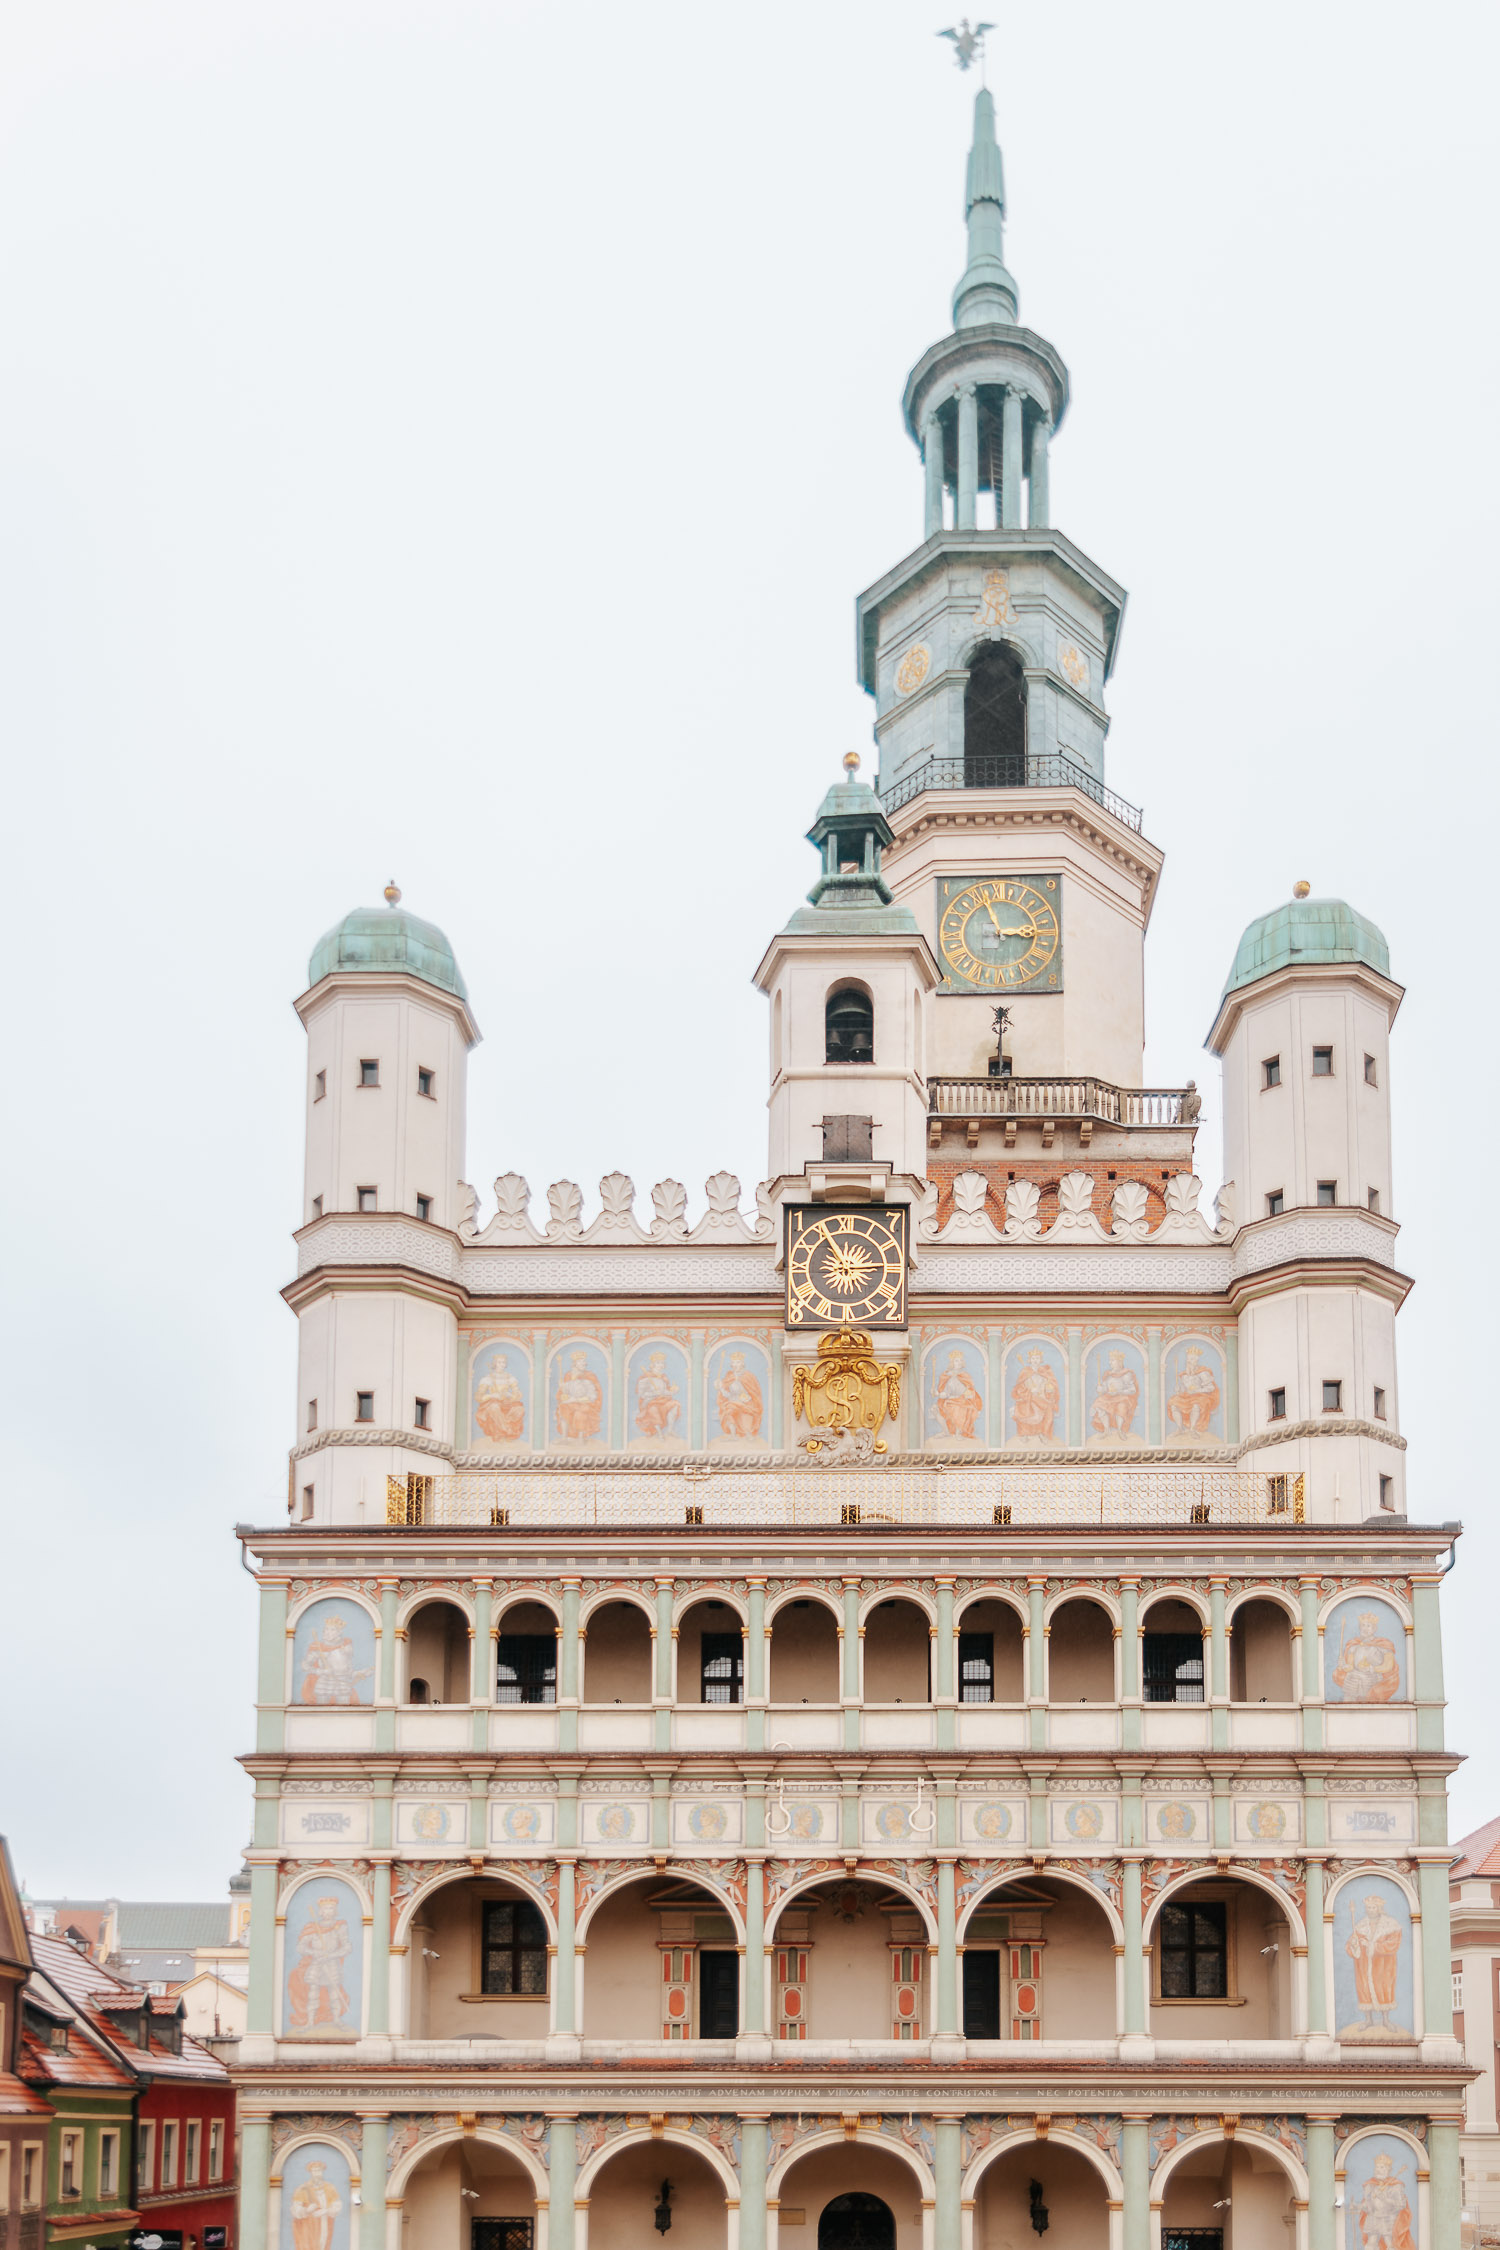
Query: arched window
point(849, 1026)
point(995, 720)
point(857, 2222)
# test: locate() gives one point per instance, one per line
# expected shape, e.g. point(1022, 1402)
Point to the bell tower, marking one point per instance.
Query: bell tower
point(987, 651)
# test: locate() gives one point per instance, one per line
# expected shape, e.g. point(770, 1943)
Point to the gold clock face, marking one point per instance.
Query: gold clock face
point(845, 1269)
point(999, 933)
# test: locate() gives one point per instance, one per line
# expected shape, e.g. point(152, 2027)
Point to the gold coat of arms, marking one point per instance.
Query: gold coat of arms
point(846, 1388)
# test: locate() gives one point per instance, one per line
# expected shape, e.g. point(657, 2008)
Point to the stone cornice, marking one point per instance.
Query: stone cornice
point(1063, 806)
point(1327, 974)
point(991, 547)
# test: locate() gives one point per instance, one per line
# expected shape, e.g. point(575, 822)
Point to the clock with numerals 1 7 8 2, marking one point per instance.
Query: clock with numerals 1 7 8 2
point(846, 1269)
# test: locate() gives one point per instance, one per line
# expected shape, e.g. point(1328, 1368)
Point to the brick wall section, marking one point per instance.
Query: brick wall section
point(1105, 1175)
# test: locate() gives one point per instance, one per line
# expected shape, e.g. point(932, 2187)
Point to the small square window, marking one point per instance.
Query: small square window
point(369, 1072)
point(1278, 1405)
point(1275, 1204)
point(312, 1413)
point(423, 1417)
point(307, 1503)
point(1328, 1192)
point(1373, 1199)
point(1371, 1075)
point(1271, 1069)
point(1388, 1492)
point(366, 1198)
point(1379, 1404)
point(1333, 1398)
point(320, 1085)
point(426, 1080)
point(1322, 1062)
point(317, 1206)
point(424, 1206)
point(364, 1406)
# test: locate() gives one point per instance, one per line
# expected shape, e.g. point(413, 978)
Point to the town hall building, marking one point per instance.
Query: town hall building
point(899, 1707)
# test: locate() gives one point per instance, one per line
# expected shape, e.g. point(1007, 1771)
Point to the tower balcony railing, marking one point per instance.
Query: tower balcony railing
point(1061, 1098)
point(1050, 770)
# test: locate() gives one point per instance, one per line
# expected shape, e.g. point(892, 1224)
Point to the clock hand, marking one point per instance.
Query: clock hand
point(991, 913)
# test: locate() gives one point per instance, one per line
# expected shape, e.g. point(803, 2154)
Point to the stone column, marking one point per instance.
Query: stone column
point(255, 2182)
point(948, 2171)
point(932, 463)
point(1135, 2154)
point(851, 1633)
point(482, 1675)
point(1218, 1664)
point(1036, 1644)
point(1041, 481)
point(374, 2133)
point(380, 1952)
point(1446, 2181)
point(562, 2176)
point(1010, 462)
point(385, 1715)
point(757, 1664)
point(755, 1948)
point(664, 1635)
point(1322, 2219)
point(570, 1642)
point(1130, 1663)
point(968, 458)
point(947, 2024)
point(945, 1681)
point(1317, 1967)
point(564, 2011)
point(1133, 2021)
point(1312, 1668)
point(754, 2139)
point(271, 1685)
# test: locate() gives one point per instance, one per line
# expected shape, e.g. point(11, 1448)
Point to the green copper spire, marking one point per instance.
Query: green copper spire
point(986, 292)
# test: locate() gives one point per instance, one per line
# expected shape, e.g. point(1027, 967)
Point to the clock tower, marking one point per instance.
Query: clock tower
point(987, 651)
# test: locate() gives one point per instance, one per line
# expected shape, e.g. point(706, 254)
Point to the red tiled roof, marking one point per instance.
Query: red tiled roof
point(73, 1975)
point(1478, 1854)
point(81, 2063)
point(17, 2100)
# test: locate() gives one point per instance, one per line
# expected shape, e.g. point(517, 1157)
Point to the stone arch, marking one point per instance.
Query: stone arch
point(514, 1596)
point(685, 1871)
point(899, 1593)
point(674, 2136)
point(454, 1595)
point(506, 2143)
point(1083, 1589)
point(346, 1594)
point(848, 1022)
point(724, 1595)
point(1245, 2137)
point(321, 2136)
point(1254, 1591)
point(1108, 2172)
point(1173, 1591)
point(332, 1873)
point(1361, 1871)
point(887, 2142)
point(997, 1593)
point(818, 1594)
point(1209, 1871)
point(606, 1594)
point(1051, 1872)
point(1361, 1591)
point(861, 1873)
point(462, 1871)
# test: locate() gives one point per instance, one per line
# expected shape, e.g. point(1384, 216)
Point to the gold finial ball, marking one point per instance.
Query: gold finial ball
point(392, 893)
point(851, 762)
point(1300, 890)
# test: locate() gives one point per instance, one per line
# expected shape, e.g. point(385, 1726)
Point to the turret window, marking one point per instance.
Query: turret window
point(1379, 1406)
point(424, 1206)
point(1371, 1077)
point(849, 1026)
point(1373, 1200)
point(312, 1413)
point(307, 1503)
point(317, 1206)
point(366, 1197)
point(1271, 1071)
point(320, 1085)
point(369, 1072)
point(1277, 1409)
point(995, 720)
point(1333, 1398)
point(1328, 1192)
point(1275, 1203)
point(422, 1418)
point(1388, 1492)
point(1322, 1062)
point(364, 1406)
point(426, 1082)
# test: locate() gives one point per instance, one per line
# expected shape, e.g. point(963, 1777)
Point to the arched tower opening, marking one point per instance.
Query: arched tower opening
point(849, 1025)
point(995, 720)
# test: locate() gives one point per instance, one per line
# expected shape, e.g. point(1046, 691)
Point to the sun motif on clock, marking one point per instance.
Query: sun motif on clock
point(1000, 933)
point(845, 1269)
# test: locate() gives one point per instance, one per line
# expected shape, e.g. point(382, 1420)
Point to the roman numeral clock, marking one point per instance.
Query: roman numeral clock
point(846, 1269)
point(1000, 933)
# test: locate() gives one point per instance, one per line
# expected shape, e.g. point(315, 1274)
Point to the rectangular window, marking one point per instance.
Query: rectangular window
point(109, 2163)
point(515, 1949)
point(216, 2149)
point(981, 1995)
point(1458, 1990)
point(1278, 1404)
point(70, 2168)
point(424, 1206)
point(366, 1199)
point(722, 1668)
point(307, 1503)
point(1194, 1951)
point(1333, 1398)
point(1387, 1492)
point(4, 2179)
point(145, 2157)
point(1328, 1192)
point(1374, 1201)
point(1271, 1068)
point(1174, 1667)
point(364, 1406)
point(426, 1080)
point(312, 1413)
point(422, 1417)
point(1275, 1203)
point(192, 2145)
point(369, 1072)
point(718, 1995)
point(1322, 1062)
point(976, 1671)
point(317, 1206)
point(31, 2175)
point(169, 2153)
point(320, 1085)
point(1379, 1408)
point(1370, 1075)
point(527, 1668)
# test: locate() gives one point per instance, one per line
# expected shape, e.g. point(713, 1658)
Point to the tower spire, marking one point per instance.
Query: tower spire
point(986, 293)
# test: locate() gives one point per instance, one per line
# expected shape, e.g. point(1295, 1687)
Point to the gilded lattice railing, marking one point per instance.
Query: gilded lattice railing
point(943, 1499)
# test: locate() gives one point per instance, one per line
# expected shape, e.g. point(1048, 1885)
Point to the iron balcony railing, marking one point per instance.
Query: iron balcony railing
point(1050, 770)
point(1062, 1097)
point(967, 1495)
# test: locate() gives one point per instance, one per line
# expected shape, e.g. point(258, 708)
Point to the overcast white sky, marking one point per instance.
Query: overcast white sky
point(446, 440)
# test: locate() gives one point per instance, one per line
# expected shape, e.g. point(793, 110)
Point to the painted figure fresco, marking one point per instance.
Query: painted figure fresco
point(1381, 2194)
point(736, 1386)
point(500, 1383)
point(315, 2199)
point(955, 1393)
point(657, 1386)
point(1372, 1957)
point(578, 1379)
point(333, 1654)
point(323, 1958)
point(1195, 1393)
point(1364, 1652)
point(1034, 1375)
point(1115, 1380)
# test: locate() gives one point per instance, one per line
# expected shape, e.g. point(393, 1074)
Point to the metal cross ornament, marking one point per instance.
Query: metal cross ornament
point(968, 42)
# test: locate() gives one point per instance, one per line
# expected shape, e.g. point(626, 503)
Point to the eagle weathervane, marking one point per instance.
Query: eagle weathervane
point(968, 42)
